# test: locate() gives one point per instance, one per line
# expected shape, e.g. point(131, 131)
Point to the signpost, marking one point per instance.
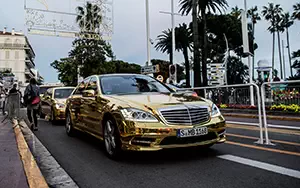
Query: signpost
point(150, 69)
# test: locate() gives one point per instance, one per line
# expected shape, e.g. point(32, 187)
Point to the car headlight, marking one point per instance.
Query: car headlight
point(215, 111)
point(133, 114)
point(60, 105)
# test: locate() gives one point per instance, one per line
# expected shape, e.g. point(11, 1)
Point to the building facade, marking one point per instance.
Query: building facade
point(17, 56)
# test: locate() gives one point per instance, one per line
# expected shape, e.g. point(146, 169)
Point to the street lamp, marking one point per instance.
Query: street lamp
point(148, 33)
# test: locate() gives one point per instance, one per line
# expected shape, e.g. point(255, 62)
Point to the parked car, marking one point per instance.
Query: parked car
point(53, 102)
point(182, 90)
point(137, 112)
point(45, 87)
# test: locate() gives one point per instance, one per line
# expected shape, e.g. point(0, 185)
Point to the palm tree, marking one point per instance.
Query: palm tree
point(236, 11)
point(89, 17)
point(203, 6)
point(164, 43)
point(184, 43)
point(286, 23)
point(296, 13)
point(254, 15)
point(272, 14)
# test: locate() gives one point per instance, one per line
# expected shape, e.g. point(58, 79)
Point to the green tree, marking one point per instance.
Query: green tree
point(272, 13)
point(89, 17)
point(296, 13)
point(91, 55)
point(183, 43)
point(285, 24)
point(254, 16)
point(236, 12)
point(164, 43)
point(296, 64)
point(67, 72)
point(203, 6)
point(237, 71)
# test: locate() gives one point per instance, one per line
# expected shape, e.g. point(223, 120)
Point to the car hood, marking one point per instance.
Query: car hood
point(159, 100)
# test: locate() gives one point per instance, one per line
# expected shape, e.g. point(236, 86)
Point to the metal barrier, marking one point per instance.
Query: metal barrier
point(272, 99)
point(231, 94)
point(13, 105)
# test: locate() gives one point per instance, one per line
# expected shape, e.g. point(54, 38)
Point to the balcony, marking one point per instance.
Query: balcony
point(29, 73)
point(29, 62)
point(11, 46)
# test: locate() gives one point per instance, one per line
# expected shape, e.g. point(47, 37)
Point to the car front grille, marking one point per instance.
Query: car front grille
point(185, 115)
point(188, 140)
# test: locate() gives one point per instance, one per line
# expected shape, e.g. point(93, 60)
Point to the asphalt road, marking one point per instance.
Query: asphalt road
point(83, 158)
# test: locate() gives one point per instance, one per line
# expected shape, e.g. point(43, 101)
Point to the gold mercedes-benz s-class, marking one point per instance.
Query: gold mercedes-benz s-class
point(137, 112)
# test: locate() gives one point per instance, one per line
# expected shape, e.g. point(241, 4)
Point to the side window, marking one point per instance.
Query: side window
point(49, 92)
point(79, 89)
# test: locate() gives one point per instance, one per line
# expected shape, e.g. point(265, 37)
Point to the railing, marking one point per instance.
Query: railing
point(10, 45)
point(270, 94)
point(234, 94)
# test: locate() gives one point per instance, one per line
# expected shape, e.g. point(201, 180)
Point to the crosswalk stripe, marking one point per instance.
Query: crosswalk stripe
point(262, 165)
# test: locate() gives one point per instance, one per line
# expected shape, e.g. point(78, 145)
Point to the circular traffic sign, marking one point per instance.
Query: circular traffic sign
point(172, 69)
point(160, 78)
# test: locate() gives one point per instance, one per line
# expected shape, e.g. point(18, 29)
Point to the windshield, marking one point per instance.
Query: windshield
point(43, 89)
point(62, 93)
point(131, 84)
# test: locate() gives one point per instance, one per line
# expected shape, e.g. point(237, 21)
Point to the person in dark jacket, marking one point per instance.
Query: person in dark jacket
point(32, 90)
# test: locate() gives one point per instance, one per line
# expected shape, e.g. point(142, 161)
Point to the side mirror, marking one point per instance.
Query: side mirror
point(88, 93)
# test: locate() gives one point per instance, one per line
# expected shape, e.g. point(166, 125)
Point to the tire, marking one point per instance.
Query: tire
point(69, 127)
point(52, 119)
point(112, 142)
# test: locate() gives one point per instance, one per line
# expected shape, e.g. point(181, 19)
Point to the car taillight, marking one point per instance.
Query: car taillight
point(195, 94)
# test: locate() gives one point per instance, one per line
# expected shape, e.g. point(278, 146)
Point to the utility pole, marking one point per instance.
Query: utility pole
point(284, 74)
point(148, 33)
point(246, 49)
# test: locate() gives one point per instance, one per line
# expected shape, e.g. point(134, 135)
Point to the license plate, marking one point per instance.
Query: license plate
point(192, 132)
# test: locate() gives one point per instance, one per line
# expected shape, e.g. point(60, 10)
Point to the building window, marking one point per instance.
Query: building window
point(16, 54)
point(6, 54)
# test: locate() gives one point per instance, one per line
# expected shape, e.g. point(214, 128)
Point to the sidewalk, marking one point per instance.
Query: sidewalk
point(12, 173)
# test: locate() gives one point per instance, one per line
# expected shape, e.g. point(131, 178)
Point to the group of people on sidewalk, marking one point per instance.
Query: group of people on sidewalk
point(12, 99)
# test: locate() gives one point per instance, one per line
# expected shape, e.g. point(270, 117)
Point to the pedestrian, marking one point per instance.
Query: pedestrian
point(3, 94)
point(32, 101)
point(14, 98)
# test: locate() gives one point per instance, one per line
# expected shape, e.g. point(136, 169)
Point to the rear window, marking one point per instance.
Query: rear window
point(62, 93)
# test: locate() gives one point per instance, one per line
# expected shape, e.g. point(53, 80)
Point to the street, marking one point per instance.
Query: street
point(237, 163)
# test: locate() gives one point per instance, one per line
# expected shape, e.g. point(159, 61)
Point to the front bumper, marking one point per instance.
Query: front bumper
point(151, 138)
point(60, 114)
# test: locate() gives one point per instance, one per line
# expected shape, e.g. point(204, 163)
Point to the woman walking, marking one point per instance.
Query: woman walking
point(32, 100)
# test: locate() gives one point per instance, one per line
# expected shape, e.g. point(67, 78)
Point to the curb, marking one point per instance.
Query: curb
point(33, 174)
point(254, 116)
point(53, 173)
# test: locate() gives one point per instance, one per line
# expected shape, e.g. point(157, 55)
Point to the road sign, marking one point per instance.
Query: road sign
point(150, 69)
point(173, 73)
point(160, 78)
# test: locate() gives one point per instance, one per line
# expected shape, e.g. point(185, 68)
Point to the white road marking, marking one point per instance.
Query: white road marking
point(269, 125)
point(262, 165)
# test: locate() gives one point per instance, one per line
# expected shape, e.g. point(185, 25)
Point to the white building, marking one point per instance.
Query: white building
point(17, 55)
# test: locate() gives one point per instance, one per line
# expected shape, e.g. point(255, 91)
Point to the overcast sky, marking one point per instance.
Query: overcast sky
point(129, 38)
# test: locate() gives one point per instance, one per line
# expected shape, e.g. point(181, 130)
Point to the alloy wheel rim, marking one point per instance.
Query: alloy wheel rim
point(68, 124)
point(109, 138)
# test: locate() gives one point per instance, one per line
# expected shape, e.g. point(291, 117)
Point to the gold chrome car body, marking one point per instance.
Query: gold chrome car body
point(53, 106)
point(89, 108)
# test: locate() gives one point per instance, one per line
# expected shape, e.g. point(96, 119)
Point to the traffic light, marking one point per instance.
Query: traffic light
point(173, 73)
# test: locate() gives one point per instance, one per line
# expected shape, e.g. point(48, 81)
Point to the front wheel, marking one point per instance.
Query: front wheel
point(69, 127)
point(112, 140)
